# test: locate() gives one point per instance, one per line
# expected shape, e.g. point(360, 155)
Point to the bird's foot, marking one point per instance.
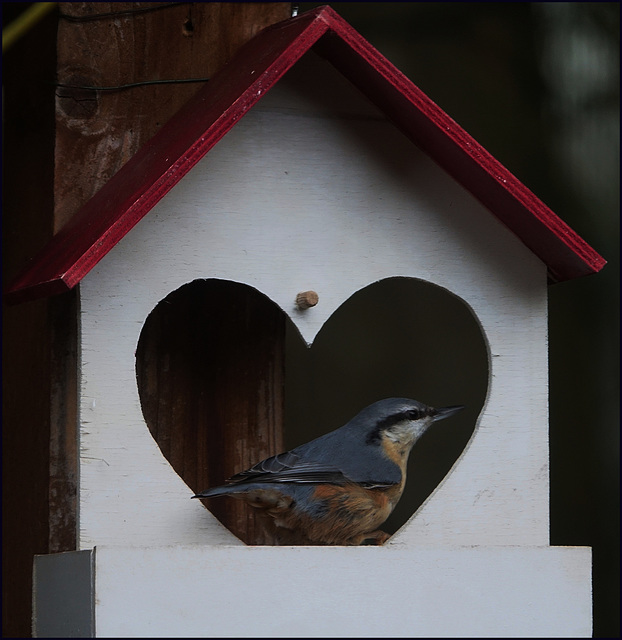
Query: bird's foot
point(378, 537)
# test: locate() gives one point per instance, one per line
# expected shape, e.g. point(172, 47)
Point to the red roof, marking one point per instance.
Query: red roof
point(216, 108)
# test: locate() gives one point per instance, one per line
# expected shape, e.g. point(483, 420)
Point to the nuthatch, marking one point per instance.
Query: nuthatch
point(339, 488)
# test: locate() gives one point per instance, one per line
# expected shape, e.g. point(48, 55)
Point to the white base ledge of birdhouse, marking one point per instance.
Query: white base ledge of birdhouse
point(232, 591)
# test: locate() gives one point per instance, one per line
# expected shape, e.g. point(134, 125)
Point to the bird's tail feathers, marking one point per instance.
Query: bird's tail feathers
point(216, 491)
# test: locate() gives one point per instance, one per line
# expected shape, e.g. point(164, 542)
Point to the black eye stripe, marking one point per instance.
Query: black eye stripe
point(389, 421)
point(407, 414)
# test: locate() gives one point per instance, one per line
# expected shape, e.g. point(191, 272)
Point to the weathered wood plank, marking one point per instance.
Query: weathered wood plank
point(210, 370)
point(63, 481)
point(97, 132)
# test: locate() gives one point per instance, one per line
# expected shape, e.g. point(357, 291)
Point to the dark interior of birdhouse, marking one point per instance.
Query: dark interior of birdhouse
point(226, 380)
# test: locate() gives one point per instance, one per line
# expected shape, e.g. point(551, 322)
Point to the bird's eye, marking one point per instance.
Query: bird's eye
point(414, 414)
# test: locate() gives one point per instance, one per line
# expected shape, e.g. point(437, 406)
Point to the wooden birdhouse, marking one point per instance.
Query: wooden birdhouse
point(311, 233)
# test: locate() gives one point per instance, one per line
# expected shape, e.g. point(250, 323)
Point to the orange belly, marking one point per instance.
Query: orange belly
point(346, 515)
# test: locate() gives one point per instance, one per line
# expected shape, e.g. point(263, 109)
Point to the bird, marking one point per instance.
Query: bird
point(338, 489)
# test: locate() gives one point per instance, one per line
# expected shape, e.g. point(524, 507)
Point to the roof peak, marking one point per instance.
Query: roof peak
point(177, 147)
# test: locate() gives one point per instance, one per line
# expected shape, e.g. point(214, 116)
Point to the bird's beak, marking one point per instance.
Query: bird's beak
point(445, 412)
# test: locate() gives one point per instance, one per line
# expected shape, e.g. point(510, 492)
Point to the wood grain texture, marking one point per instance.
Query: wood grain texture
point(167, 157)
point(98, 132)
point(210, 374)
point(64, 467)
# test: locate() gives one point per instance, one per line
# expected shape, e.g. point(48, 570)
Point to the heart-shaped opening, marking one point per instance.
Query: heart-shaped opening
point(221, 369)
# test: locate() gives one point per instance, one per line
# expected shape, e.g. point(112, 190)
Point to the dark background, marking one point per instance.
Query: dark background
point(537, 84)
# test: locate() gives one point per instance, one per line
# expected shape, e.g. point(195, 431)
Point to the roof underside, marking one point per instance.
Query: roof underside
point(216, 108)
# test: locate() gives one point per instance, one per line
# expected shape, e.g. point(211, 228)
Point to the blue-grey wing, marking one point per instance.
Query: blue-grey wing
point(289, 467)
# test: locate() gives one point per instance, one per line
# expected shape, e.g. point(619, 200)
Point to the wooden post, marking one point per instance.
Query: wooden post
point(98, 131)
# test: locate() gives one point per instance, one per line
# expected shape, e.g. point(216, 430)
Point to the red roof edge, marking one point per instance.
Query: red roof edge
point(564, 252)
point(163, 161)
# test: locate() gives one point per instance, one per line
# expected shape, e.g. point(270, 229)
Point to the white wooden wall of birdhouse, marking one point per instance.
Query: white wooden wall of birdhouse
point(315, 189)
